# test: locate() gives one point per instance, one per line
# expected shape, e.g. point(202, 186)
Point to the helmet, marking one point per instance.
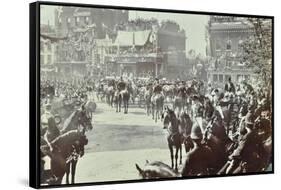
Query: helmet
point(196, 132)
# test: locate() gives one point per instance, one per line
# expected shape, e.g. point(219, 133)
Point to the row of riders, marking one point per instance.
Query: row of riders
point(63, 143)
point(225, 131)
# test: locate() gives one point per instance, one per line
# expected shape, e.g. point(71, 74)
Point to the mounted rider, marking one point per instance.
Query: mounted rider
point(157, 87)
point(182, 92)
point(49, 129)
point(197, 111)
point(121, 84)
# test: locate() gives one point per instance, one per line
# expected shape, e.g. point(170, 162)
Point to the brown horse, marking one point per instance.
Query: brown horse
point(66, 149)
point(174, 138)
point(78, 120)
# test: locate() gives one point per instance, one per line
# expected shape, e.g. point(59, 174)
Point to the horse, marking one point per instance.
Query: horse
point(156, 170)
point(122, 96)
point(147, 98)
point(79, 118)
point(157, 102)
point(185, 125)
point(66, 150)
point(179, 102)
point(125, 96)
point(174, 138)
point(109, 93)
point(216, 138)
point(90, 107)
point(100, 91)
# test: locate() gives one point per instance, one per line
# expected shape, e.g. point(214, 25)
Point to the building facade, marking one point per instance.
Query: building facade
point(87, 31)
point(226, 36)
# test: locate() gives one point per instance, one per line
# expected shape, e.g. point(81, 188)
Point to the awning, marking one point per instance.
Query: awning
point(125, 38)
point(52, 38)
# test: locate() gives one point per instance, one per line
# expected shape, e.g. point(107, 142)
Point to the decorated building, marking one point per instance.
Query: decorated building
point(86, 30)
point(145, 47)
point(226, 36)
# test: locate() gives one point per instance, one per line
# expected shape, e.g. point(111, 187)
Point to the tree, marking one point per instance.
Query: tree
point(258, 47)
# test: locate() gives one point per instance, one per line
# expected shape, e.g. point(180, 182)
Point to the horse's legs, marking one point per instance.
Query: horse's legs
point(156, 115)
point(152, 111)
point(171, 153)
point(176, 158)
point(73, 171)
point(180, 153)
point(67, 171)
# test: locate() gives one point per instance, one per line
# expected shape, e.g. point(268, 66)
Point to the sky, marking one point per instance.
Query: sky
point(194, 25)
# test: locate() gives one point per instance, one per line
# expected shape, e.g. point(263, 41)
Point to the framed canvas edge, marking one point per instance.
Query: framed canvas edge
point(34, 90)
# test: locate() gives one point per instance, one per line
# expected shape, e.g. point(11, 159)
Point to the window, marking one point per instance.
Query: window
point(226, 77)
point(49, 59)
point(221, 78)
point(218, 46)
point(77, 20)
point(228, 64)
point(49, 46)
point(68, 20)
point(228, 45)
point(215, 78)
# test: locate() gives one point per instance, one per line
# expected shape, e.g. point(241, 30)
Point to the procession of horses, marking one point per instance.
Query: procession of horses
point(218, 130)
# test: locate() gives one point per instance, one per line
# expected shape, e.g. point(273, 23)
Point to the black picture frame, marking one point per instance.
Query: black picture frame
point(34, 90)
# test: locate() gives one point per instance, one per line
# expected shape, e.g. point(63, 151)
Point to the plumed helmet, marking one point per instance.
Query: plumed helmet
point(196, 132)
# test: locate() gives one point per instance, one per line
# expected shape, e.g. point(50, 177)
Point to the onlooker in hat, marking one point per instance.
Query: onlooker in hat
point(199, 159)
point(248, 147)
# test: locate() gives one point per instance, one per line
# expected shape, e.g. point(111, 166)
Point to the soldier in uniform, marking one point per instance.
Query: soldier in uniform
point(229, 86)
point(197, 111)
point(200, 158)
point(121, 85)
point(49, 129)
point(157, 88)
point(182, 92)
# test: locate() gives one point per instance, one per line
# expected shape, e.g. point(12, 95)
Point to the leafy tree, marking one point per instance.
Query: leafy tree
point(258, 47)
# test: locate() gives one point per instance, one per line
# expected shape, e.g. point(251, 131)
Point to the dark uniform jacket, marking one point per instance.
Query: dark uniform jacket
point(247, 150)
point(198, 161)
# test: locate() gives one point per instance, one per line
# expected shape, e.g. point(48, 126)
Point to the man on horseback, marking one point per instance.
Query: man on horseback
point(49, 129)
point(121, 84)
point(157, 87)
point(197, 111)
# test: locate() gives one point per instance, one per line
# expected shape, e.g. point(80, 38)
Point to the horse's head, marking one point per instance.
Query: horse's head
point(168, 116)
point(156, 170)
point(83, 118)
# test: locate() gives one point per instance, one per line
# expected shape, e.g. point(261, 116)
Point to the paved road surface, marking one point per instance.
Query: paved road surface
point(117, 142)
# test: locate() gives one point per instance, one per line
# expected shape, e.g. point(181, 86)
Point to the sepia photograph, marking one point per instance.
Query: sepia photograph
point(140, 95)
